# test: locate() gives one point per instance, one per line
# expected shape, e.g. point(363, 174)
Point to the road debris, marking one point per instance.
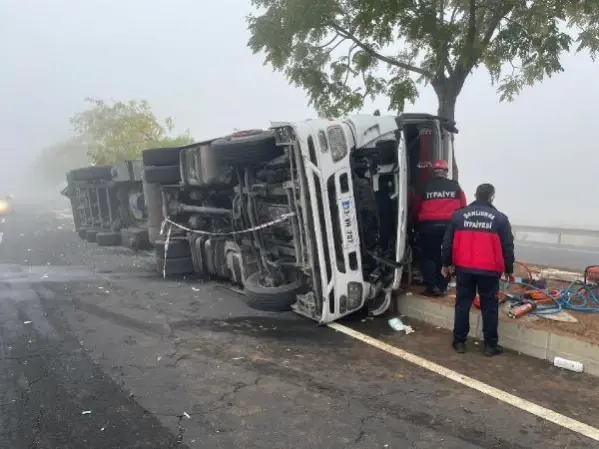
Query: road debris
point(571, 365)
point(397, 325)
point(187, 415)
point(86, 412)
point(26, 322)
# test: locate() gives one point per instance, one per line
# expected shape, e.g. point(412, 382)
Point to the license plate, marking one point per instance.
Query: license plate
point(347, 219)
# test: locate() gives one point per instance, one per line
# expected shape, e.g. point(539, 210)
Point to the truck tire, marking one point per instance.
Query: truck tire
point(159, 157)
point(82, 233)
point(163, 175)
point(93, 173)
point(248, 148)
point(90, 235)
point(270, 299)
point(135, 239)
point(108, 238)
point(177, 248)
point(175, 267)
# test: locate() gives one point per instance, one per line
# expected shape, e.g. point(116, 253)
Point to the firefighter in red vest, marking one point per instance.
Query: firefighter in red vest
point(480, 245)
point(433, 208)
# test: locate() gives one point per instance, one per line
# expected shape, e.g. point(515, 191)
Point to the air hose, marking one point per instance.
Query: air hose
point(579, 296)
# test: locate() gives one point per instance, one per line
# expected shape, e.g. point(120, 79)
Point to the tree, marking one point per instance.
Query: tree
point(122, 130)
point(56, 160)
point(345, 51)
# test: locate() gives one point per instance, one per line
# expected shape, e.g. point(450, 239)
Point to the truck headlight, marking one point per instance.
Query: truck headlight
point(354, 295)
point(337, 142)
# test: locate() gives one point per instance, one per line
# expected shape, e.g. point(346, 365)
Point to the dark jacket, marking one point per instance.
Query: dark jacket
point(439, 199)
point(479, 240)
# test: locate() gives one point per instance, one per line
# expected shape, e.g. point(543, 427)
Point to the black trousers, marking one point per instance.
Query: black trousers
point(430, 239)
point(467, 285)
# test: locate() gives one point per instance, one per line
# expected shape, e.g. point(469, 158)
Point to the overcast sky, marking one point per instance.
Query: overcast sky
point(189, 59)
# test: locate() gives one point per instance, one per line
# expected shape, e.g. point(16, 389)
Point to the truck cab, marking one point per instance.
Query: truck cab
point(358, 175)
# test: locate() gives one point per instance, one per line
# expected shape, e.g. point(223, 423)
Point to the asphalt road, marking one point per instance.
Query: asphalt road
point(560, 256)
point(97, 352)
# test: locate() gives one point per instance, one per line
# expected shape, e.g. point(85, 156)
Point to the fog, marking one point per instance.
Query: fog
point(189, 59)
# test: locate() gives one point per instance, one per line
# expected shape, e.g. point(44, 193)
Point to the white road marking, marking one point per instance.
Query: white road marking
point(522, 404)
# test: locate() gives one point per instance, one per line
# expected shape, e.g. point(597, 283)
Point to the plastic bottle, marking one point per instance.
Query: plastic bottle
point(571, 365)
point(397, 325)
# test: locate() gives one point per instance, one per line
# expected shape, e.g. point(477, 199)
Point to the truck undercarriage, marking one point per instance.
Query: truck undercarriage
point(311, 216)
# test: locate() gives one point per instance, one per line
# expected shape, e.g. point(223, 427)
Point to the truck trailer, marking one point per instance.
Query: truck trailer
point(108, 204)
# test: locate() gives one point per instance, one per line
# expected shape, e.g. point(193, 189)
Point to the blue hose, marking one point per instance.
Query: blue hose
point(569, 298)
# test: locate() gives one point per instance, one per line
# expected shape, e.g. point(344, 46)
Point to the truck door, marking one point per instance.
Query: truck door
point(423, 146)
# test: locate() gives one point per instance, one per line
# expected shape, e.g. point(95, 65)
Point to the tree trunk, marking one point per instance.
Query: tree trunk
point(447, 97)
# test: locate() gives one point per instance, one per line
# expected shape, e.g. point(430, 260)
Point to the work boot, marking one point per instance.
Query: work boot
point(433, 291)
point(459, 347)
point(490, 351)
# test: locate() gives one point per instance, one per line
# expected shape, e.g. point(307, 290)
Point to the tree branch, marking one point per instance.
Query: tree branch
point(493, 24)
point(329, 42)
point(454, 14)
point(391, 61)
point(332, 48)
point(468, 59)
point(442, 47)
point(467, 55)
point(471, 36)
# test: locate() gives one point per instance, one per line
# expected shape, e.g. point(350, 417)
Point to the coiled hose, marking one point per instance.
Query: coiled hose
point(579, 296)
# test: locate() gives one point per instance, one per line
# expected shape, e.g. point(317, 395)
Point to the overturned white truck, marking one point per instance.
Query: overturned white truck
point(310, 216)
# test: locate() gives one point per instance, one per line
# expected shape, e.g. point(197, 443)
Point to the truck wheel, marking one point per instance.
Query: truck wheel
point(165, 175)
point(135, 239)
point(270, 299)
point(247, 148)
point(90, 235)
point(108, 238)
point(160, 157)
point(177, 248)
point(175, 267)
point(93, 173)
point(82, 233)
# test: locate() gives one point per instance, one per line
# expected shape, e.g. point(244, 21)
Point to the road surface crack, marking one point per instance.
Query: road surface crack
point(180, 432)
point(37, 430)
point(231, 393)
point(361, 429)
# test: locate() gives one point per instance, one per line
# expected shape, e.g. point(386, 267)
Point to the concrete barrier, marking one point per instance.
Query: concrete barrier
point(515, 335)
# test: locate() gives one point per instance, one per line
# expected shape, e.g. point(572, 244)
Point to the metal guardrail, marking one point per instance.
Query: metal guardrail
point(557, 236)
